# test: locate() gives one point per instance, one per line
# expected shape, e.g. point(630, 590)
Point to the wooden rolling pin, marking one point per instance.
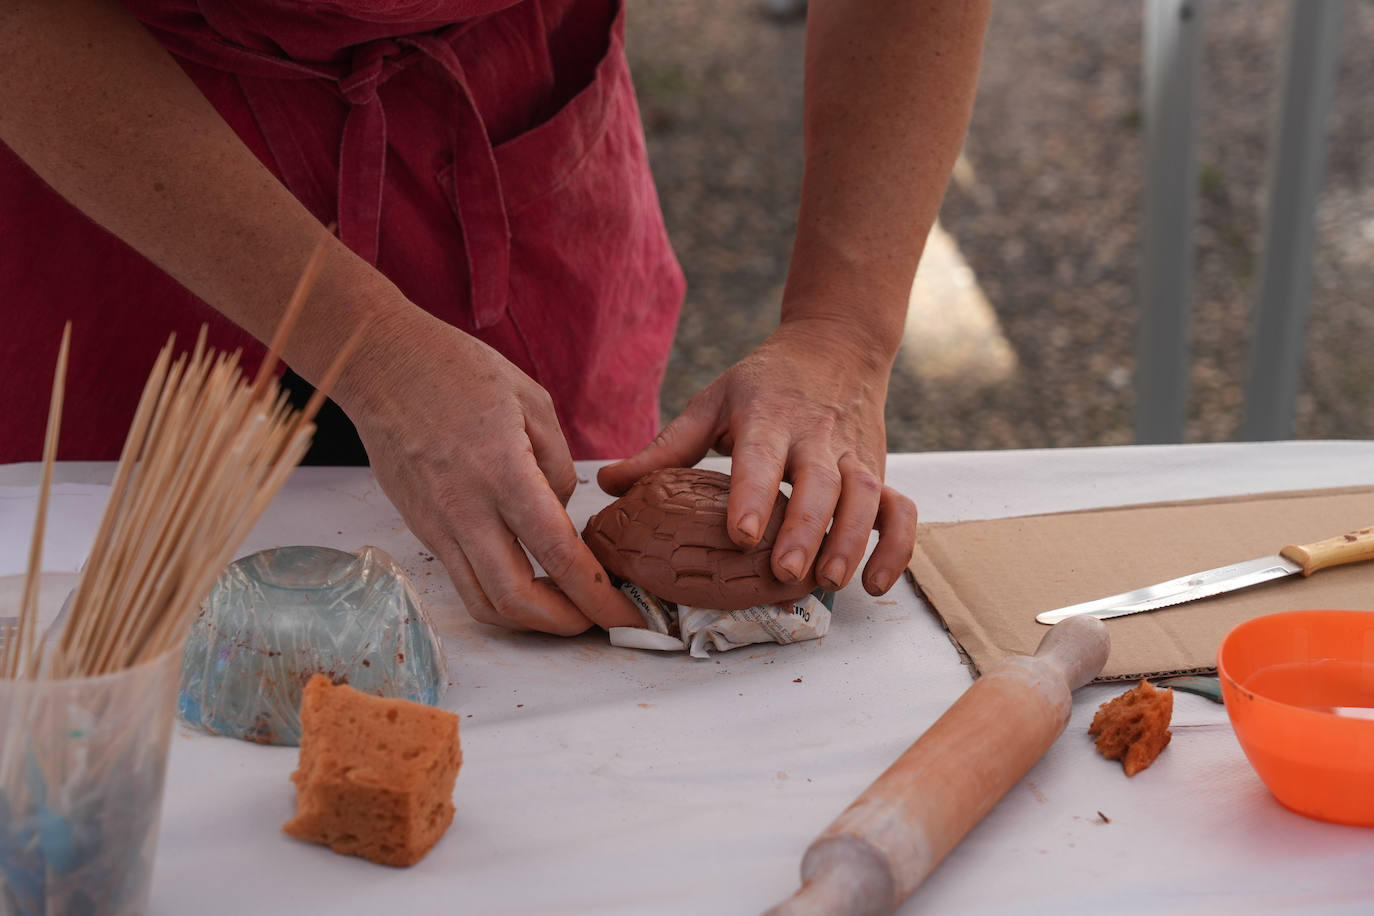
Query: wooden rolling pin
point(885, 844)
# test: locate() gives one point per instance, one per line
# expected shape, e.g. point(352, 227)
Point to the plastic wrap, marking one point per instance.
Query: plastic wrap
point(277, 617)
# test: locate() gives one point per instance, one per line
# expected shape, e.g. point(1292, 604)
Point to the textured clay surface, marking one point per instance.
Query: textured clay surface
point(667, 534)
point(376, 775)
point(1134, 727)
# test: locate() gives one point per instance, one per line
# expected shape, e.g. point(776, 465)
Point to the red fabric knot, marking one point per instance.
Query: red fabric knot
point(372, 64)
point(362, 149)
point(475, 191)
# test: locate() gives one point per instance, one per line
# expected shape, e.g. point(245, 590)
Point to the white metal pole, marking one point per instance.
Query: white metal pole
point(1172, 59)
point(1298, 155)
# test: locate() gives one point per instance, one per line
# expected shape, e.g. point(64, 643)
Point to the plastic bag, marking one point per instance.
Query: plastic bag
point(277, 617)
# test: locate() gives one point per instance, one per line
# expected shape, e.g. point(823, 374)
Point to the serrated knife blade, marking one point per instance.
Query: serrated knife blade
point(1294, 559)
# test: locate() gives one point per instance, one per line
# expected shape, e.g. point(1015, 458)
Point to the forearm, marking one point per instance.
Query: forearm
point(889, 90)
point(102, 113)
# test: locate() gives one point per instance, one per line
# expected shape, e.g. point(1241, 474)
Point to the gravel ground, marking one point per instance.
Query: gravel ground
point(1047, 215)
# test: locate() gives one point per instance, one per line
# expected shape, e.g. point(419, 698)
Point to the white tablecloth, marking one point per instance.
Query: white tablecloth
point(610, 781)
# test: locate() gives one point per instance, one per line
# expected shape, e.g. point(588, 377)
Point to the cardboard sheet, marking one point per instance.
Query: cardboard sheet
point(988, 579)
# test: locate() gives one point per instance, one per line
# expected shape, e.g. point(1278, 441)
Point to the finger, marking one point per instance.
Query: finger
point(756, 467)
point(544, 527)
point(504, 574)
point(681, 444)
point(815, 491)
point(550, 447)
point(896, 524)
point(465, 581)
point(855, 515)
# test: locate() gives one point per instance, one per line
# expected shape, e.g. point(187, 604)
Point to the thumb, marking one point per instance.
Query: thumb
point(682, 443)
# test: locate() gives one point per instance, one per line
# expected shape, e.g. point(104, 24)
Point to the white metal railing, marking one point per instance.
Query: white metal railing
point(1172, 60)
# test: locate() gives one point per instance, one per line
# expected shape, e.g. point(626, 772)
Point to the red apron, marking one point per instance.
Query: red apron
point(486, 155)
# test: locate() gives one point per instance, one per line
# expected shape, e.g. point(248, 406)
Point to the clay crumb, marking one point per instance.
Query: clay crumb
point(796, 680)
point(1134, 727)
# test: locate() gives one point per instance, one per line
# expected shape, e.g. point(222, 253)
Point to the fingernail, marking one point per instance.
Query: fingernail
point(880, 581)
point(833, 572)
point(791, 563)
point(749, 526)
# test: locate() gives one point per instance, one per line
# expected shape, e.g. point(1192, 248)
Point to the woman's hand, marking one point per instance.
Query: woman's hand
point(805, 407)
point(468, 449)
point(889, 89)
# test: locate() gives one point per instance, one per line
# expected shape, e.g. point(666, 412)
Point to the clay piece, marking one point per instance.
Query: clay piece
point(668, 535)
point(1134, 727)
point(376, 775)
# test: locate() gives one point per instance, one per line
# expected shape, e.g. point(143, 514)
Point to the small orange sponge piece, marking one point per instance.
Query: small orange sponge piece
point(376, 775)
point(1134, 727)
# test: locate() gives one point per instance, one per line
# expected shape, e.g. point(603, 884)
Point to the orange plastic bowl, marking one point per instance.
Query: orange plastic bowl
point(1296, 686)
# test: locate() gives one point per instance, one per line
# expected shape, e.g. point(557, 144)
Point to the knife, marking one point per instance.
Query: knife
point(1305, 559)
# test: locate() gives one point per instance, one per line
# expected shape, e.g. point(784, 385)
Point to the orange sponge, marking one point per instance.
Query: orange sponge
point(376, 775)
point(1134, 727)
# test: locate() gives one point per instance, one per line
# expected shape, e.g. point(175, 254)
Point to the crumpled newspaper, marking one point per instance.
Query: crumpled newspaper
point(675, 628)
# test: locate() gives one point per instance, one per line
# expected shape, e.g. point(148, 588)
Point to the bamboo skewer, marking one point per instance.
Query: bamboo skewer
point(78, 630)
point(291, 313)
point(207, 451)
point(21, 649)
point(165, 523)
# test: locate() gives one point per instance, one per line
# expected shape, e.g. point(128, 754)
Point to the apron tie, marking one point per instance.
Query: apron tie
point(362, 151)
point(475, 191)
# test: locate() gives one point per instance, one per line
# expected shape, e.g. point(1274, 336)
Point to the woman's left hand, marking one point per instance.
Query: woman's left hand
point(807, 407)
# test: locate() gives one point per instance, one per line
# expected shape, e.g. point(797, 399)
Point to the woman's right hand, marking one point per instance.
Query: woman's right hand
point(466, 445)
point(469, 450)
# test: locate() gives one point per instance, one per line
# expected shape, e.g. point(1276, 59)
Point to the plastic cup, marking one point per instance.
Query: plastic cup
point(1299, 690)
point(82, 763)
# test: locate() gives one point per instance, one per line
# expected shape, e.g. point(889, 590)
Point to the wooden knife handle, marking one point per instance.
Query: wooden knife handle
point(1341, 549)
